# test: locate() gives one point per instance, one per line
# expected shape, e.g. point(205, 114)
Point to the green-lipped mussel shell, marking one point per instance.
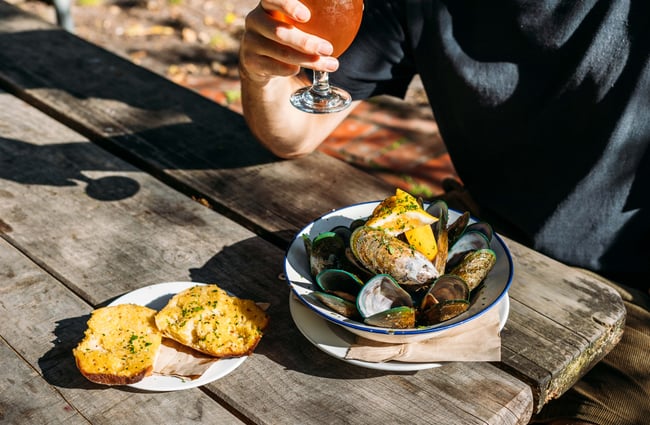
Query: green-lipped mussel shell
point(475, 267)
point(442, 311)
point(402, 317)
point(468, 242)
point(456, 229)
point(439, 209)
point(339, 305)
point(381, 293)
point(447, 287)
point(381, 253)
point(483, 227)
point(339, 282)
point(327, 251)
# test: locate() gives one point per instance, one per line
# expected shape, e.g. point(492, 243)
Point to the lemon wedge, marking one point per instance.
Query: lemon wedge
point(399, 213)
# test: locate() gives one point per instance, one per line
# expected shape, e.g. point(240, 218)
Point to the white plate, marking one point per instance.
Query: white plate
point(335, 341)
point(156, 297)
point(298, 276)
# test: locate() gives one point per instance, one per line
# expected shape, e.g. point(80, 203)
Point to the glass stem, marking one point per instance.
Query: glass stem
point(321, 83)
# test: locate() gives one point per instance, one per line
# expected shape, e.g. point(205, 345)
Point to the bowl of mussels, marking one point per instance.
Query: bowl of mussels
point(398, 270)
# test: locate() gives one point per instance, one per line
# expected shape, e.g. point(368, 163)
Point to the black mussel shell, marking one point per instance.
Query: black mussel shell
point(339, 305)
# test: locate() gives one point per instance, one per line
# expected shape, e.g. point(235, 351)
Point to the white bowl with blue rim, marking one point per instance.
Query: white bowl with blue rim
point(302, 284)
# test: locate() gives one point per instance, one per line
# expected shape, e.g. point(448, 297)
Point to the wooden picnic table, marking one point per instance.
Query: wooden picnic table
point(113, 178)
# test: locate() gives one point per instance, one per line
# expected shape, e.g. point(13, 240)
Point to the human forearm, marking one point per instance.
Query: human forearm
point(280, 127)
point(271, 55)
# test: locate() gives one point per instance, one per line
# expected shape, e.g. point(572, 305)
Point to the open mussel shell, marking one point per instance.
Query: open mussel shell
point(339, 305)
point(468, 242)
point(402, 317)
point(440, 209)
point(442, 311)
point(339, 282)
point(447, 287)
point(380, 294)
point(447, 298)
point(326, 251)
point(457, 228)
point(483, 227)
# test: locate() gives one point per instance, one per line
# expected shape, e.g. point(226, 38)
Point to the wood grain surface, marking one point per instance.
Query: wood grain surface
point(116, 199)
point(68, 250)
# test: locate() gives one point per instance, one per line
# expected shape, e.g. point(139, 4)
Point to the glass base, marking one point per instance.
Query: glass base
point(309, 100)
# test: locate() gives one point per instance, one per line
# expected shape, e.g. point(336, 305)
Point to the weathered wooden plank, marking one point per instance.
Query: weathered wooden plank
point(43, 321)
point(308, 383)
point(25, 397)
point(101, 245)
point(206, 151)
point(172, 132)
point(564, 339)
point(74, 181)
point(454, 393)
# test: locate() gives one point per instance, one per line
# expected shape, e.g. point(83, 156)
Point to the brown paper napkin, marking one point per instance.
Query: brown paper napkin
point(477, 340)
point(175, 359)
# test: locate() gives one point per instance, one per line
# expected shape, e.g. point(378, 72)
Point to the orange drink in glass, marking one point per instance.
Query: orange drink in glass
point(336, 21)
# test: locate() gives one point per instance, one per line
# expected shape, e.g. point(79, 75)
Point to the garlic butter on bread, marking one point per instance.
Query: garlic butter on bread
point(119, 346)
point(122, 342)
point(208, 319)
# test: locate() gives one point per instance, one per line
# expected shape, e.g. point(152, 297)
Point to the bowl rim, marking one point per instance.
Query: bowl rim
point(360, 326)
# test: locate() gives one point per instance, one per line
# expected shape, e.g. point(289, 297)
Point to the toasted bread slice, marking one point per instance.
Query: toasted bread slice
point(207, 319)
point(120, 345)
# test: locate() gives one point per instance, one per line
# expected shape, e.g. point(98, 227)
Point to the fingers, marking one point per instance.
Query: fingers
point(260, 62)
point(291, 9)
point(273, 46)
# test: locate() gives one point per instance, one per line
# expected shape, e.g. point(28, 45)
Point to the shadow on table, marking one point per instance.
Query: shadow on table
point(230, 269)
point(63, 165)
point(125, 108)
point(282, 342)
point(58, 365)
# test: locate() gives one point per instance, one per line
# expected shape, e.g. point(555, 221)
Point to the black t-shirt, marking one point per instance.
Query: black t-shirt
point(544, 107)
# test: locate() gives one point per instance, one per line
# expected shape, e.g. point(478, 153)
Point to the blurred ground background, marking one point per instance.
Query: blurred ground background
point(195, 43)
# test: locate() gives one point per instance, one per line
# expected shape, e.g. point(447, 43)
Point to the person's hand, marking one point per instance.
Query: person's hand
point(272, 46)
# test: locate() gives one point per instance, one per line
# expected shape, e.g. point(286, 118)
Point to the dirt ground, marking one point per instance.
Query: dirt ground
point(192, 42)
point(195, 43)
point(174, 38)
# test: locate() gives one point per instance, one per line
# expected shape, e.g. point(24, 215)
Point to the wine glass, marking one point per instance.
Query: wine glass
point(336, 21)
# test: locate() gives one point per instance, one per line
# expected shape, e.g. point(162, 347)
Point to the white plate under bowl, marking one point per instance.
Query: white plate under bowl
point(156, 297)
point(296, 267)
point(335, 341)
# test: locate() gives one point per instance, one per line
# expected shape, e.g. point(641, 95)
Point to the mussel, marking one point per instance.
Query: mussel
point(469, 241)
point(384, 254)
point(339, 282)
point(447, 297)
point(382, 302)
point(447, 287)
point(326, 251)
point(440, 230)
point(402, 288)
point(339, 305)
point(338, 291)
point(475, 266)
